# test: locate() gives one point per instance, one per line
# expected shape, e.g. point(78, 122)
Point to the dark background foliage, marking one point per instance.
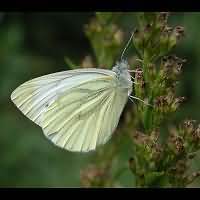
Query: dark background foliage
point(34, 44)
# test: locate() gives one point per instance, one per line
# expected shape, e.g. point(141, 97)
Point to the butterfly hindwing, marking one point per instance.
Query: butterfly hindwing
point(76, 119)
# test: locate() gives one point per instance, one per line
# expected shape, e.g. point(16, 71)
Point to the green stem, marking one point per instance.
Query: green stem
point(147, 117)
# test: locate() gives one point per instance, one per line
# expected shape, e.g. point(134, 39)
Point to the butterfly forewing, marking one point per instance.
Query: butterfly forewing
point(34, 96)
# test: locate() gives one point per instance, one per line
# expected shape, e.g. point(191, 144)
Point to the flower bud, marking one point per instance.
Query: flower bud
point(139, 77)
point(140, 84)
point(93, 27)
point(179, 31)
point(163, 17)
point(189, 126)
point(175, 36)
point(175, 142)
point(87, 62)
point(161, 21)
point(171, 67)
point(119, 36)
point(161, 103)
point(196, 134)
point(176, 103)
point(197, 131)
point(140, 138)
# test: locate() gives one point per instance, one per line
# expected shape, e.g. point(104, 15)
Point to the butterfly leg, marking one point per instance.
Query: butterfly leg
point(133, 97)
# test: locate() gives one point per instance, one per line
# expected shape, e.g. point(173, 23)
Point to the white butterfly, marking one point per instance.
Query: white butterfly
point(77, 109)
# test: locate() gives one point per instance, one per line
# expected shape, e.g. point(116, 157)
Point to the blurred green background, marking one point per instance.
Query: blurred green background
point(34, 44)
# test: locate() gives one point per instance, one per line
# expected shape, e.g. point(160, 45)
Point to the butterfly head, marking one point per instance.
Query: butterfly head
point(122, 73)
point(121, 66)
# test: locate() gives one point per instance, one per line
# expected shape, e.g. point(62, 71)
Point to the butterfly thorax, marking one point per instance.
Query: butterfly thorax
point(123, 75)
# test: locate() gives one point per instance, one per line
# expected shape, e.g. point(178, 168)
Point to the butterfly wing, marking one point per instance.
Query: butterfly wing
point(34, 96)
point(77, 110)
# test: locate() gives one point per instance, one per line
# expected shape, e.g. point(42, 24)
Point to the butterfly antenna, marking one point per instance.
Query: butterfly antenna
point(127, 45)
